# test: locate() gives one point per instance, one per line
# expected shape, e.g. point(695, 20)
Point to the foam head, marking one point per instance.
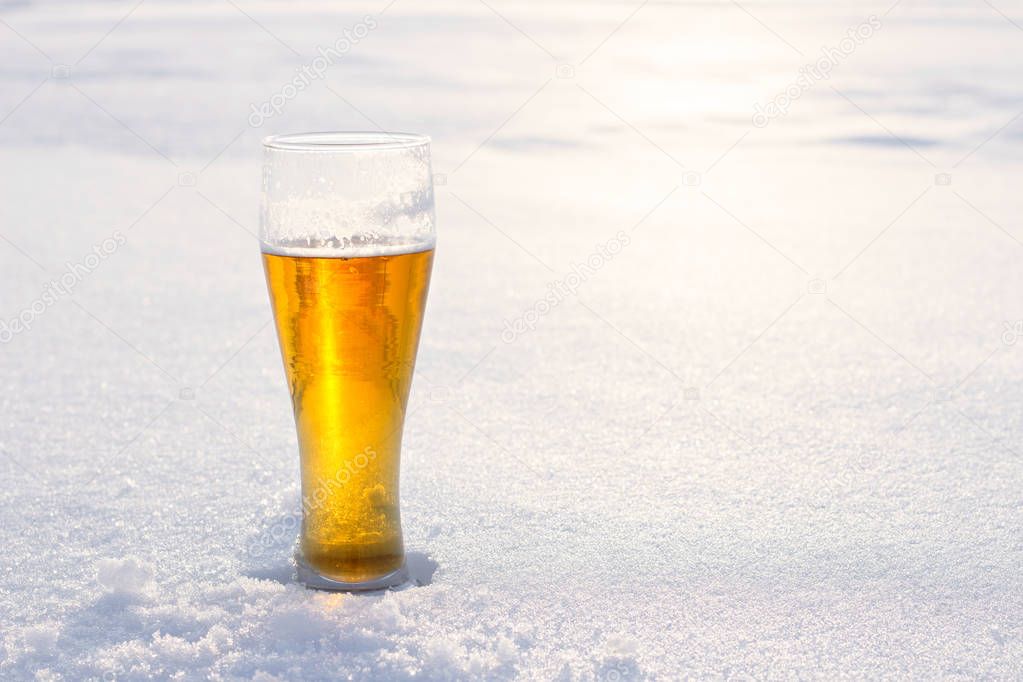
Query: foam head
point(344, 195)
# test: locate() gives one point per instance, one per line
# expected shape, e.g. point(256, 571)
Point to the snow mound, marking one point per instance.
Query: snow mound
point(128, 577)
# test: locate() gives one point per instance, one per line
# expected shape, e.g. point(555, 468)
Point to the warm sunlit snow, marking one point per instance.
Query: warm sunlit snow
point(775, 434)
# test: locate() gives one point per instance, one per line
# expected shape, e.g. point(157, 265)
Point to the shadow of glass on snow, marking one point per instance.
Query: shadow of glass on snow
point(421, 569)
point(268, 552)
point(884, 141)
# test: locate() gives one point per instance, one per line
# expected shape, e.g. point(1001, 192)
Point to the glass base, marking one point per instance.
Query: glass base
point(309, 577)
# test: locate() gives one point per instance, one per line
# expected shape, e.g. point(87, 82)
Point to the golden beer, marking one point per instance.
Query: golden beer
point(349, 332)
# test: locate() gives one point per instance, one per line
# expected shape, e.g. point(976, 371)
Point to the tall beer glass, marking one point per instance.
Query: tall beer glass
point(347, 237)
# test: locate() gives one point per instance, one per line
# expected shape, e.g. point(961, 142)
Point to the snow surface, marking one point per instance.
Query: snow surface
point(674, 460)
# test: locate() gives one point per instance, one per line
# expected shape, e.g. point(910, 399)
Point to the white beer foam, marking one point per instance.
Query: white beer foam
point(316, 201)
point(357, 247)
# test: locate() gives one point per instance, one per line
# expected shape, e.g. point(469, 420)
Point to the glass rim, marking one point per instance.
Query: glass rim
point(341, 141)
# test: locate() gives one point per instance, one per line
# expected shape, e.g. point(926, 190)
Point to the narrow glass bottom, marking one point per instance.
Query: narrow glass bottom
point(309, 577)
